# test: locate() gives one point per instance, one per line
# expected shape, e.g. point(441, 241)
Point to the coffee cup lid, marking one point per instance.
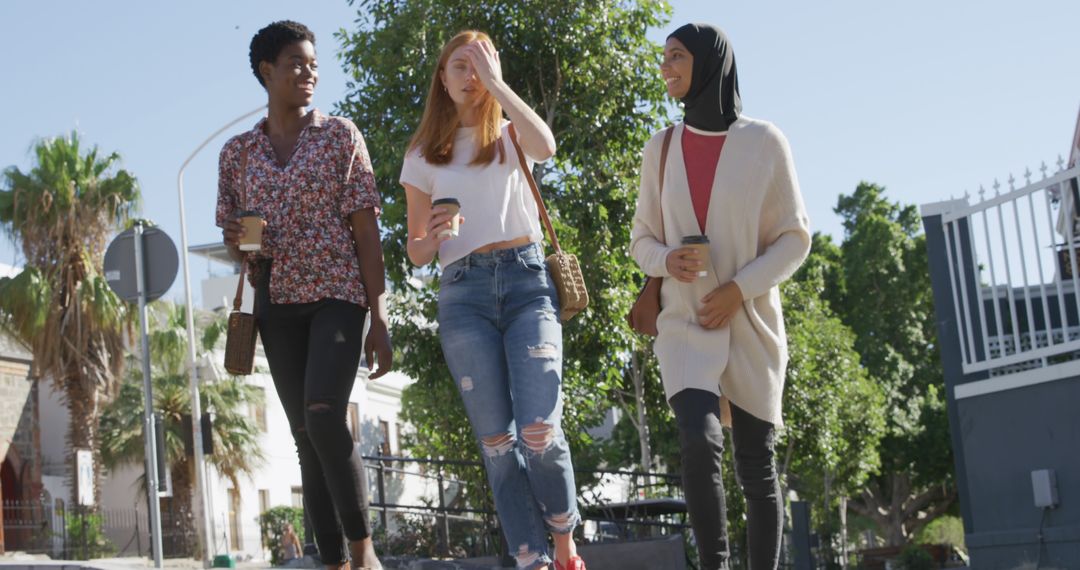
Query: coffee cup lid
point(443, 201)
point(245, 213)
point(692, 240)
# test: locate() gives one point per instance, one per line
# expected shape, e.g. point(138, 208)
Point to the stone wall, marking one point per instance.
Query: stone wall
point(15, 393)
point(19, 430)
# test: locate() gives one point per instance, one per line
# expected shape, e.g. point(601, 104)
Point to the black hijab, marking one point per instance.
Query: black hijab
point(713, 102)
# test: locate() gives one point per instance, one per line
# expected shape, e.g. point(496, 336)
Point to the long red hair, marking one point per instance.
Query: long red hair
point(435, 135)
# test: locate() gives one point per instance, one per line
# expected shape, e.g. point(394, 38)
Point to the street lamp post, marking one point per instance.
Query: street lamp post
point(193, 371)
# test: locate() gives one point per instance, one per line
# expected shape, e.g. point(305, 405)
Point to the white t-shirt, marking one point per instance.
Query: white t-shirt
point(496, 200)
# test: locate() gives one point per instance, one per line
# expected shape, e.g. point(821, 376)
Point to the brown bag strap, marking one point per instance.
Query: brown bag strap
point(239, 299)
point(536, 191)
point(663, 166)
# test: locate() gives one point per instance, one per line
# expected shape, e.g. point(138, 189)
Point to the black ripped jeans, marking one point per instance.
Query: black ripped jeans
point(314, 352)
point(701, 441)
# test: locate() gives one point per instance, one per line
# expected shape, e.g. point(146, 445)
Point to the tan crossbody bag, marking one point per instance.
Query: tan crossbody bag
point(564, 268)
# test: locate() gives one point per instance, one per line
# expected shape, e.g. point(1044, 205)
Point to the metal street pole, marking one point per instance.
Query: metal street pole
point(202, 498)
point(149, 437)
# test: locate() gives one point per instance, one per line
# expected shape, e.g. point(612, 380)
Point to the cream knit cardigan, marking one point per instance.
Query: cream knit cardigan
point(759, 235)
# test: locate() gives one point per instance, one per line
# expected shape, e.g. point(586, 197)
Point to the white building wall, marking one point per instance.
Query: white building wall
point(280, 471)
point(219, 292)
point(124, 511)
point(378, 400)
point(54, 422)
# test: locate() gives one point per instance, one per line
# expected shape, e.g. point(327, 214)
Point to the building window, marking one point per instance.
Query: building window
point(258, 410)
point(384, 431)
point(264, 500)
point(298, 497)
point(234, 519)
point(353, 419)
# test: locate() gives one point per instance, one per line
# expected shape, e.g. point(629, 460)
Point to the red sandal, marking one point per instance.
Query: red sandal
point(575, 563)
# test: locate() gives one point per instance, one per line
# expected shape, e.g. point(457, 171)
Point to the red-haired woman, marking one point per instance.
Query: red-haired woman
point(498, 307)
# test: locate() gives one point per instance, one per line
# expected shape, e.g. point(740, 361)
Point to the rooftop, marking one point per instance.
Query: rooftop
point(213, 252)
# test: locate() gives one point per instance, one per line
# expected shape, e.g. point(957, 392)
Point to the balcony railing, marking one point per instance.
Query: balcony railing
point(1015, 273)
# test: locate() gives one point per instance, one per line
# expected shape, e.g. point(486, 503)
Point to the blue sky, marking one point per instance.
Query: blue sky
point(925, 97)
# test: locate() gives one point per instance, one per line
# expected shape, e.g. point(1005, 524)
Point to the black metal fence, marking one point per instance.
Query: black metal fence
point(441, 523)
point(79, 533)
point(616, 505)
point(419, 507)
point(31, 526)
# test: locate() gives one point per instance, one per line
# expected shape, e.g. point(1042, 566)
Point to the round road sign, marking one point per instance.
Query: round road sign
point(160, 262)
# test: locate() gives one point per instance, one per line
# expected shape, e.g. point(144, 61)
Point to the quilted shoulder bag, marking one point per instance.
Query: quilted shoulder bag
point(242, 333)
point(564, 268)
point(643, 314)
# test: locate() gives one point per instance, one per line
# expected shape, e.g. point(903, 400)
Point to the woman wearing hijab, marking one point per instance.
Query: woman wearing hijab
point(721, 341)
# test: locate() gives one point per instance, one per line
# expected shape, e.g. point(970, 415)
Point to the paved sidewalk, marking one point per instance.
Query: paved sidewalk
point(20, 561)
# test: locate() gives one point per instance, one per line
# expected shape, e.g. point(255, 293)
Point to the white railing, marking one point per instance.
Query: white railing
point(1014, 273)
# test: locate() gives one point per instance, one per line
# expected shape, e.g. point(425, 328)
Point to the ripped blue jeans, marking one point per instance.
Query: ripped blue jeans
point(502, 339)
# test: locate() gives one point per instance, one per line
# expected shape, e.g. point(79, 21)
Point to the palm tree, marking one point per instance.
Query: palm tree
point(235, 433)
point(62, 212)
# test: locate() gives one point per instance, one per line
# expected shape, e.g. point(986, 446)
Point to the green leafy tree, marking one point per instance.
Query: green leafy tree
point(235, 434)
point(885, 298)
point(62, 212)
point(834, 413)
point(824, 264)
point(591, 73)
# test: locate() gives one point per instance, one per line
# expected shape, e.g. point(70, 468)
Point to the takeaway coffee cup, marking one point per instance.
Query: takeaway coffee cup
point(701, 245)
point(253, 226)
point(452, 207)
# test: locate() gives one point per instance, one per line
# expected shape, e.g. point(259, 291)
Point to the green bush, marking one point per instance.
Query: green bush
point(417, 534)
point(414, 535)
point(946, 529)
point(915, 558)
point(85, 537)
point(273, 521)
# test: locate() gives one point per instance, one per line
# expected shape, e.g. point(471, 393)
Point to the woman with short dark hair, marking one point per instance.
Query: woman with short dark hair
point(317, 275)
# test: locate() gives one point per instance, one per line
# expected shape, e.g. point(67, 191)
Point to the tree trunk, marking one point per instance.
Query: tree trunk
point(82, 403)
point(177, 520)
point(906, 511)
point(637, 374)
point(843, 534)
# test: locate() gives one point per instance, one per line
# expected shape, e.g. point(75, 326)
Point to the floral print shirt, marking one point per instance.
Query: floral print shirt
point(306, 204)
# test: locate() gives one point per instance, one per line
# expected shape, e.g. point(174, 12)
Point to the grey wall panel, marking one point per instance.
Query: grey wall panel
point(1006, 435)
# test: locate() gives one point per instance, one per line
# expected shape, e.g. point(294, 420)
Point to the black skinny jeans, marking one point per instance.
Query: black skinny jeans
point(701, 441)
point(314, 352)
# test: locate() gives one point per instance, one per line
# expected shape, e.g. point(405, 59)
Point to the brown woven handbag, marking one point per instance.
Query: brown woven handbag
point(643, 314)
point(242, 333)
point(564, 268)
